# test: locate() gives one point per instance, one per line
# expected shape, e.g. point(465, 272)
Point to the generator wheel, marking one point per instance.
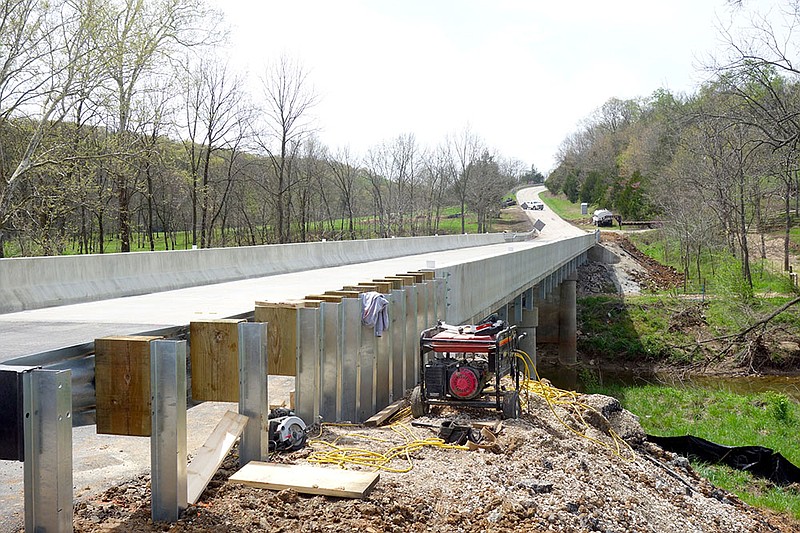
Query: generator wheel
point(418, 406)
point(511, 407)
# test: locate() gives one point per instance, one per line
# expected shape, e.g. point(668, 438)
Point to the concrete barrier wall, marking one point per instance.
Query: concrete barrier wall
point(36, 282)
point(478, 288)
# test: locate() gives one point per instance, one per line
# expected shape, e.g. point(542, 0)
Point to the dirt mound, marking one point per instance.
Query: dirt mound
point(559, 468)
point(658, 276)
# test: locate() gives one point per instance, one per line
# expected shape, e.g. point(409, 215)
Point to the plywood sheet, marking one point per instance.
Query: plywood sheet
point(307, 479)
point(214, 352)
point(122, 385)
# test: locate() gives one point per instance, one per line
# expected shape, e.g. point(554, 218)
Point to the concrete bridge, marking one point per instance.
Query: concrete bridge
point(53, 310)
point(468, 277)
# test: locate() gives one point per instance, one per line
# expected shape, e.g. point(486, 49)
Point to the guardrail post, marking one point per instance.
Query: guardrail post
point(253, 389)
point(47, 398)
point(168, 439)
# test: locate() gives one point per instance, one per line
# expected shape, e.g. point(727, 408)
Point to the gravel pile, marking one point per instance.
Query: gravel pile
point(553, 472)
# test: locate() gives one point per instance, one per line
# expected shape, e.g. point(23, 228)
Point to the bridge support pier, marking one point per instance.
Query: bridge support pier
point(528, 325)
point(567, 322)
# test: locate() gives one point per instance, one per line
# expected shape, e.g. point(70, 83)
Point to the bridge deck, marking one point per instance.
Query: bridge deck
point(40, 330)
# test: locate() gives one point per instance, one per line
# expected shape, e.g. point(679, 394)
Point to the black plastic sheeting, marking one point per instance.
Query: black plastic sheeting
point(758, 460)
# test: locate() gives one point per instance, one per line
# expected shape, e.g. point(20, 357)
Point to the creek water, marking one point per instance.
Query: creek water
point(584, 378)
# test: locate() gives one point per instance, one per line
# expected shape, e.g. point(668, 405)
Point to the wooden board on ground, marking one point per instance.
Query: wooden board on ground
point(214, 349)
point(281, 335)
point(122, 385)
point(212, 453)
point(380, 418)
point(307, 479)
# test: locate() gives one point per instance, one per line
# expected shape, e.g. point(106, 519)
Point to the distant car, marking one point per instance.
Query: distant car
point(535, 205)
point(508, 202)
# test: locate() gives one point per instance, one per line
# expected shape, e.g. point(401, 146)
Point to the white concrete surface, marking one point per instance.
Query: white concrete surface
point(36, 282)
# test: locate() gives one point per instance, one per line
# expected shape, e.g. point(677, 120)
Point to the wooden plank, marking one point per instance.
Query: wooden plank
point(344, 294)
point(208, 458)
point(397, 283)
point(380, 418)
point(369, 286)
point(408, 279)
point(281, 335)
point(419, 277)
point(356, 288)
point(325, 298)
point(307, 479)
point(427, 275)
point(122, 385)
point(214, 352)
point(383, 287)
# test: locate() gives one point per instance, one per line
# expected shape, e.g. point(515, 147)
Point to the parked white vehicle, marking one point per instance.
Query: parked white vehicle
point(602, 217)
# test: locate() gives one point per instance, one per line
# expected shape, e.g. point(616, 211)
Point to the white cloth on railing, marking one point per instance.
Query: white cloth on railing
point(375, 311)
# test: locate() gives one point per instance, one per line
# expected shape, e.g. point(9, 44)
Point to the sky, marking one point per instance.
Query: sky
point(521, 74)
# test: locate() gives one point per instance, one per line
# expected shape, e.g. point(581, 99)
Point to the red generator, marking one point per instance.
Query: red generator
point(463, 366)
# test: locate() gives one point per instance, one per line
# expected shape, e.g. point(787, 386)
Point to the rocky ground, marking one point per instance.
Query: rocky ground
point(570, 463)
point(552, 471)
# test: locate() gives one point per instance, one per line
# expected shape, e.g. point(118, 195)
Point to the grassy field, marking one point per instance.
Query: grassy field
point(767, 419)
point(449, 224)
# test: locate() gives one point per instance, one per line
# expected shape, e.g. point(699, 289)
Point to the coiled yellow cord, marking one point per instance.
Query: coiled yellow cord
point(345, 455)
point(567, 400)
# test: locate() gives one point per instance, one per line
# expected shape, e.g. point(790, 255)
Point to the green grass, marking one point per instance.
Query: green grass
point(632, 328)
point(768, 419)
point(562, 207)
point(720, 272)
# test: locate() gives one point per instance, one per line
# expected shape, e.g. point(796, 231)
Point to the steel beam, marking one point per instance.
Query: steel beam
point(253, 391)
point(168, 440)
point(47, 398)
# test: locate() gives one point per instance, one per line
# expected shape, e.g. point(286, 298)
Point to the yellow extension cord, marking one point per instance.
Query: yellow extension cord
point(345, 456)
point(569, 401)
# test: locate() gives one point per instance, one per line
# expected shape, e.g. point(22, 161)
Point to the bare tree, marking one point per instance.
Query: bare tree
point(138, 39)
point(288, 100)
point(467, 148)
point(344, 171)
point(215, 121)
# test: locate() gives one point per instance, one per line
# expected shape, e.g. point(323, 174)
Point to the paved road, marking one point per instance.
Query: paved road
point(555, 226)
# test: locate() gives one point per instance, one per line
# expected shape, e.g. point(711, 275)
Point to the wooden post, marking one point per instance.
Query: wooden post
point(122, 385)
point(396, 282)
point(214, 349)
point(281, 335)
